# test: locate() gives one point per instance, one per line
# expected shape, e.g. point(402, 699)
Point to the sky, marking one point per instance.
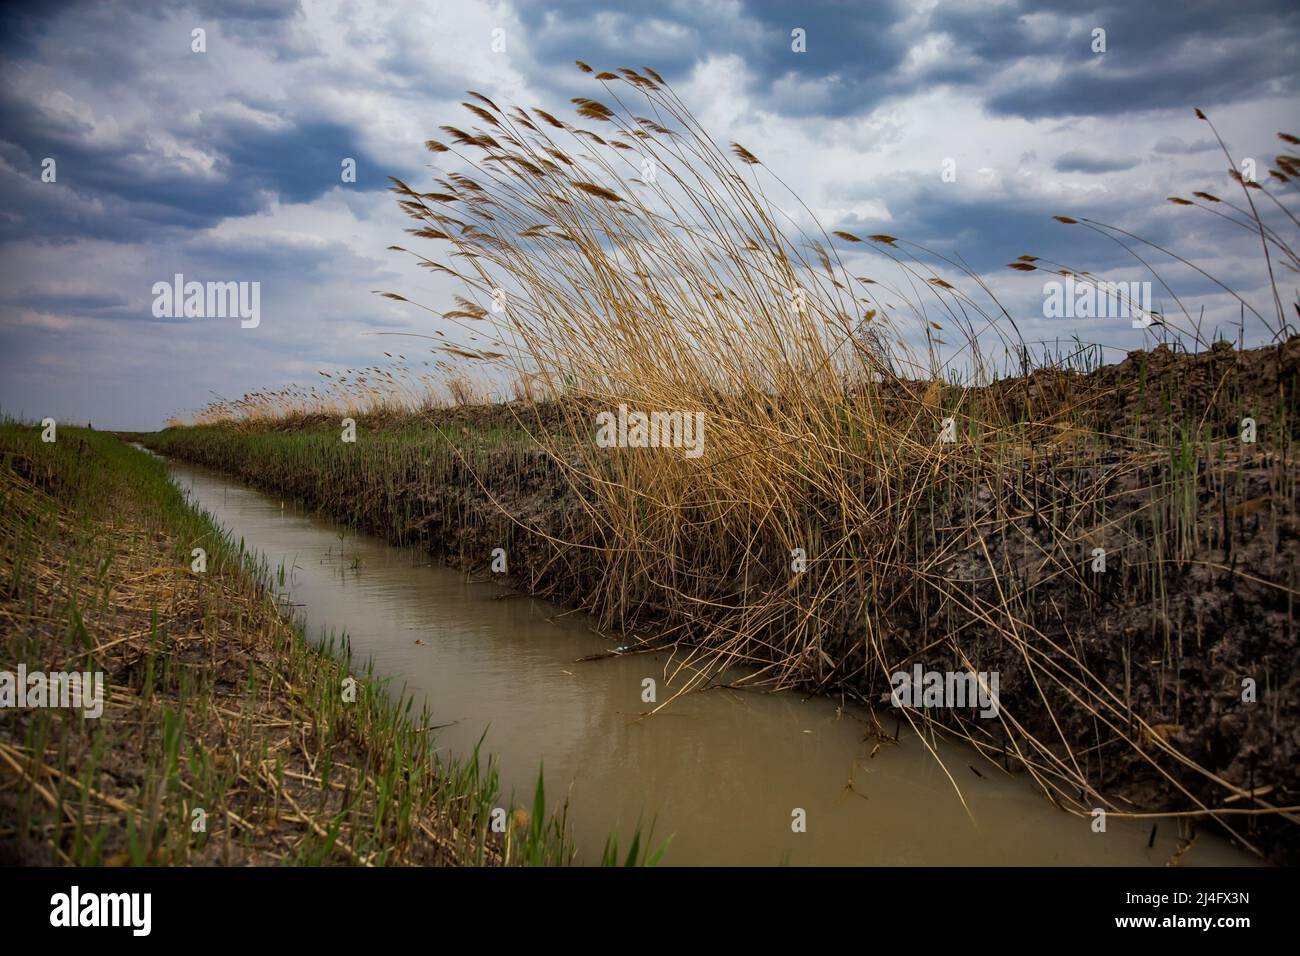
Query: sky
point(224, 164)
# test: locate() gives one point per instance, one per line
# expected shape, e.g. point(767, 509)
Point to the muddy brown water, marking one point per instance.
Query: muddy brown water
point(721, 771)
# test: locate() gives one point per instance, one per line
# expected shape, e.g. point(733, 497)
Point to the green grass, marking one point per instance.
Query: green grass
point(213, 701)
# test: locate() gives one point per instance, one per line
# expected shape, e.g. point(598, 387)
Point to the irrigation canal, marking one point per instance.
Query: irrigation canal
point(722, 771)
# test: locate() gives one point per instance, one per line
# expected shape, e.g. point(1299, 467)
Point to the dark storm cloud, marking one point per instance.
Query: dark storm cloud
point(1160, 54)
point(1157, 53)
point(296, 163)
point(983, 233)
point(1175, 146)
point(257, 12)
point(133, 182)
point(89, 304)
point(1087, 161)
point(850, 49)
point(987, 232)
point(266, 259)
